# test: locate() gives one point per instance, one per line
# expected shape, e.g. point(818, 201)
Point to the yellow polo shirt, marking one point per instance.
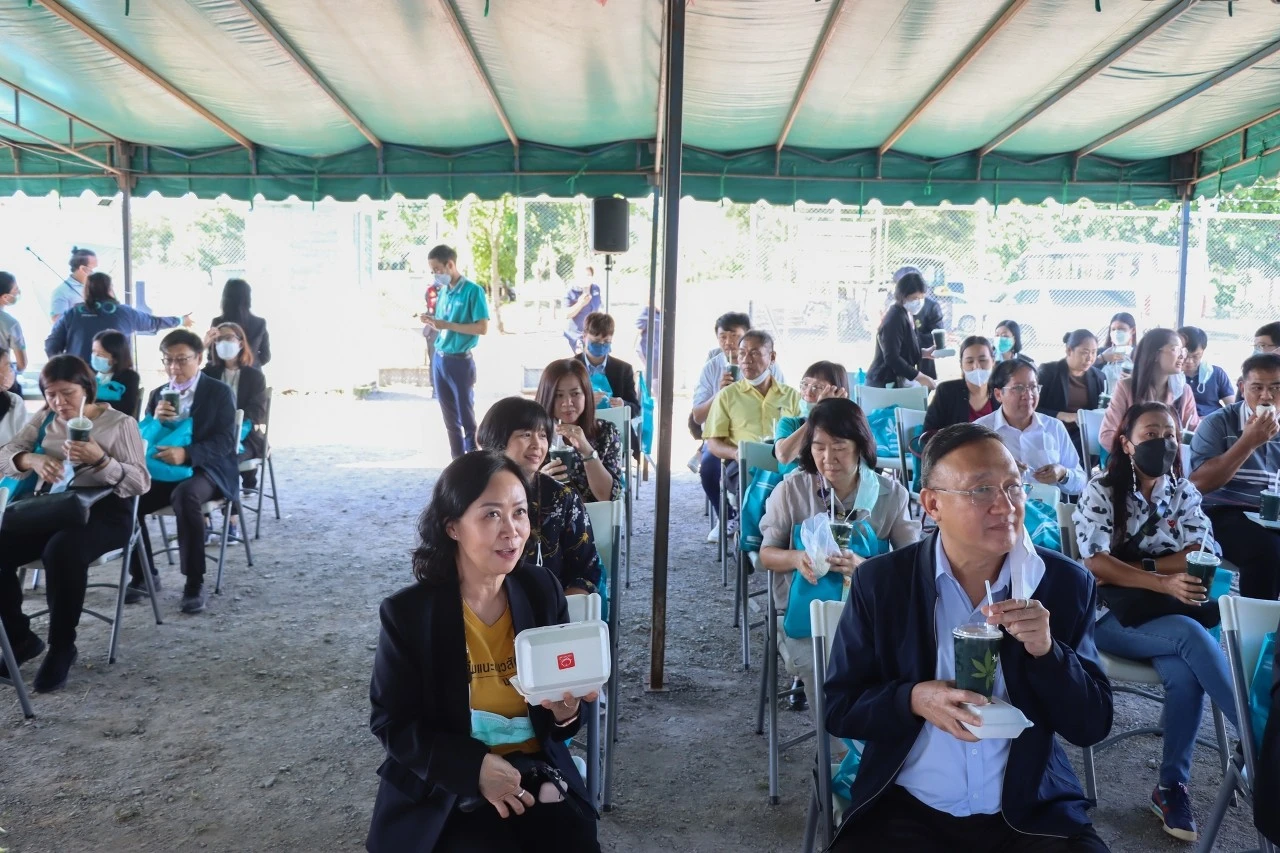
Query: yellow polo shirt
point(491, 650)
point(741, 413)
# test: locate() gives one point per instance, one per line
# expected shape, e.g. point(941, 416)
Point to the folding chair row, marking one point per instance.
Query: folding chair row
point(587, 608)
point(751, 455)
point(607, 516)
point(263, 466)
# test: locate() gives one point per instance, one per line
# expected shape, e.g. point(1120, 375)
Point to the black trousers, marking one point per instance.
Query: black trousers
point(186, 498)
point(543, 828)
point(66, 556)
point(898, 821)
point(1255, 551)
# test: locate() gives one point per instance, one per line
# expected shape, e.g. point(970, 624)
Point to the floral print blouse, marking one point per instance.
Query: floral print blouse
point(1182, 522)
point(609, 445)
point(560, 531)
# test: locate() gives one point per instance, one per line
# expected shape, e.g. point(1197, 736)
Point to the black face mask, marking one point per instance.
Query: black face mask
point(1154, 457)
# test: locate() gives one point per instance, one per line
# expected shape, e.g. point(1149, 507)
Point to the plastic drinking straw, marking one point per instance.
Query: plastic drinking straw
point(990, 598)
point(82, 399)
point(1204, 541)
point(1275, 481)
point(831, 504)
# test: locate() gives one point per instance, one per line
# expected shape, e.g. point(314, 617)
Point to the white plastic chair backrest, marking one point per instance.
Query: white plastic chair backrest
point(137, 407)
point(871, 399)
point(605, 516)
point(239, 425)
point(908, 419)
point(1251, 619)
point(4, 502)
point(1045, 493)
point(619, 417)
point(1185, 450)
point(824, 616)
point(584, 608)
point(756, 454)
point(1067, 526)
point(1090, 423)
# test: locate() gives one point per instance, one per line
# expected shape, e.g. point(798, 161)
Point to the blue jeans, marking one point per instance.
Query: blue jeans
point(454, 378)
point(709, 471)
point(1190, 664)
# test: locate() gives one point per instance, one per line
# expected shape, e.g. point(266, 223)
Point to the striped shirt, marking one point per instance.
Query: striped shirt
point(1215, 435)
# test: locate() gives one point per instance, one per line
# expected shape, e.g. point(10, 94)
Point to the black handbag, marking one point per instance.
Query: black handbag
point(44, 514)
point(1133, 606)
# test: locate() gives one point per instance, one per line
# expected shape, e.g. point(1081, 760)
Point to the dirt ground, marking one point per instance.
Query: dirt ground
point(246, 727)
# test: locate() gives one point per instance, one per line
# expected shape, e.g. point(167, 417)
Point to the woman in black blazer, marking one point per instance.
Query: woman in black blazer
point(236, 298)
point(1072, 383)
point(959, 401)
point(232, 362)
point(898, 354)
point(112, 361)
point(444, 785)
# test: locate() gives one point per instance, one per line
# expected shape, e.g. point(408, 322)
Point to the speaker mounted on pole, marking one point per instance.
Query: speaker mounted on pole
point(610, 232)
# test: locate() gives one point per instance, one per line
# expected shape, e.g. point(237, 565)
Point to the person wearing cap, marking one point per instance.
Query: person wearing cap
point(1235, 454)
point(926, 782)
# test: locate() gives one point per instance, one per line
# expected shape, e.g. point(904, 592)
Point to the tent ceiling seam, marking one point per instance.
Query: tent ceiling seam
point(815, 58)
point(464, 39)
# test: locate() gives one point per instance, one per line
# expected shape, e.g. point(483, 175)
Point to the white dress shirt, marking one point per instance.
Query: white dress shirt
point(1044, 442)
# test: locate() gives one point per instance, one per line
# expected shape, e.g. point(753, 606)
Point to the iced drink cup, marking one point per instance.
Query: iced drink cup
point(1202, 565)
point(940, 338)
point(78, 429)
point(842, 532)
point(977, 648)
point(1269, 506)
point(173, 398)
point(563, 455)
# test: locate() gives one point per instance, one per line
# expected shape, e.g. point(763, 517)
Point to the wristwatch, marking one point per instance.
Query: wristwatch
point(595, 454)
point(1148, 564)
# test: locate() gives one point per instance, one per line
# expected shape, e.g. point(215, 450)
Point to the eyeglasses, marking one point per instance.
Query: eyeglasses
point(1022, 389)
point(985, 496)
point(819, 388)
point(181, 361)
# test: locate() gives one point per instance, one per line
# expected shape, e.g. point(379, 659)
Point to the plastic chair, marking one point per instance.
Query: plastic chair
point(824, 615)
point(586, 608)
point(751, 454)
point(1089, 422)
point(908, 419)
point(1245, 621)
point(259, 465)
point(137, 406)
point(873, 399)
point(1047, 494)
point(607, 516)
point(1123, 672)
point(769, 692)
point(6, 648)
point(124, 555)
point(229, 508)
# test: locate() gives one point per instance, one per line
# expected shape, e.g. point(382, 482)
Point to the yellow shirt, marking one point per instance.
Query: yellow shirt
point(491, 653)
point(741, 413)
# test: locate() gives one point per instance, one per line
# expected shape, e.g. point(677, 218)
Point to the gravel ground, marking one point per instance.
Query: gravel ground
point(246, 727)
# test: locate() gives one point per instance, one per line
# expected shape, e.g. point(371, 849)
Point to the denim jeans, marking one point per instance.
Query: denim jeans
point(454, 378)
point(1190, 663)
point(709, 471)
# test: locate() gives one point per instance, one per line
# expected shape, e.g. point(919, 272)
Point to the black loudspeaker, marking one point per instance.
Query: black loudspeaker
point(610, 229)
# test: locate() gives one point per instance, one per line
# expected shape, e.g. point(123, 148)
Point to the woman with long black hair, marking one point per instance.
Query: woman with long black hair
point(898, 355)
point(1157, 376)
point(237, 297)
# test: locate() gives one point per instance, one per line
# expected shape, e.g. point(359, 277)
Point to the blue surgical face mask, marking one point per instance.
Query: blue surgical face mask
point(805, 408)
point(441, 279)
point(100, 363)
point(1003, 345)
point(598, 349)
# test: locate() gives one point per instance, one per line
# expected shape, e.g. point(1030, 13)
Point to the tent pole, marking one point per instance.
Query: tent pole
point(653, 278)
point(1184, 241)
point(670, 255)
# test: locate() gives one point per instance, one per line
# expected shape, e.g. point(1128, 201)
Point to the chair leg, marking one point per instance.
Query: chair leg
point(592, 709)
point(744, 610)
point(631, 503)
point(119, 619)
point(737, 597)
point(15, 676)
point(164, 537)
point(1224, 746)
point(243, 537)
point(771, 666)
point(1090, 775)
point(222, 546)
point(764, 688)
point(35, 579)
point(1213, 821)
point(147, 578)
point(611, 733)
point(810, 824)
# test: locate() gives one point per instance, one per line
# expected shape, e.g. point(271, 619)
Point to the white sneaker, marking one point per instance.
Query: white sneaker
point(714, 535)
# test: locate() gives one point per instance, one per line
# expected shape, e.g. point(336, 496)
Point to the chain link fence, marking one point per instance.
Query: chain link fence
point(343, 283)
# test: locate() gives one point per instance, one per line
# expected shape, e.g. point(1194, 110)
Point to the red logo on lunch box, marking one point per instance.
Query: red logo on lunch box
point(565, 661)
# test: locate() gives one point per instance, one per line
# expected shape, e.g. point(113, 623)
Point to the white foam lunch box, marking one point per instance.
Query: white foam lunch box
point(559, 659)
point(1000, 720)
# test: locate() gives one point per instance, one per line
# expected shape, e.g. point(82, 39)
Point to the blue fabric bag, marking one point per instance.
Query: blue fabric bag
point(21, 487)
point(754, 499)
point(884, 429)
point(646, 416)
point(847, 771)
point(1041, 521)
point(110, 391)
point(830, 587)
point(156, 434)
point(1260, 688)
point(600, 383)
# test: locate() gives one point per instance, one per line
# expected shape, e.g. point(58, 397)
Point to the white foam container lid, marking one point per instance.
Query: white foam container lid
point(559, 659)
point(1000, 720)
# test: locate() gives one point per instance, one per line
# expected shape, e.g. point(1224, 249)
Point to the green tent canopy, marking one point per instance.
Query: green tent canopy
point(784, 100)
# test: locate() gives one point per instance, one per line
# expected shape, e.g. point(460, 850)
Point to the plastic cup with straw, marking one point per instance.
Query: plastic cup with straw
point(79, 427)
point(977, 653)
point(1269, 500)
point(1202, 564)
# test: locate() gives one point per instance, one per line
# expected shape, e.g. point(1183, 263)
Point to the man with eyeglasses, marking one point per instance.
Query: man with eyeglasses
point(1235, 454)
point(926, 782)
point(746, 410)
point(210, 456)
point(1040, 444)
point(1267, 339)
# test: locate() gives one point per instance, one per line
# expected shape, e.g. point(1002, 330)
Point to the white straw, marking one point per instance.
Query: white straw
point(990, 598)
point(82, 399)
point(1204, 541)
point(1275, 481)
point(831, 504)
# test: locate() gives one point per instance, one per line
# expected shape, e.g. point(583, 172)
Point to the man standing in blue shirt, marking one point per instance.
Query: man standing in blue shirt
point(580, 301)
point(461, 316)
point(70, 293)
point(926, 782)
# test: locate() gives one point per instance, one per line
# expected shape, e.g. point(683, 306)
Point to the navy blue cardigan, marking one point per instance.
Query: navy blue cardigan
point(885, 645)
